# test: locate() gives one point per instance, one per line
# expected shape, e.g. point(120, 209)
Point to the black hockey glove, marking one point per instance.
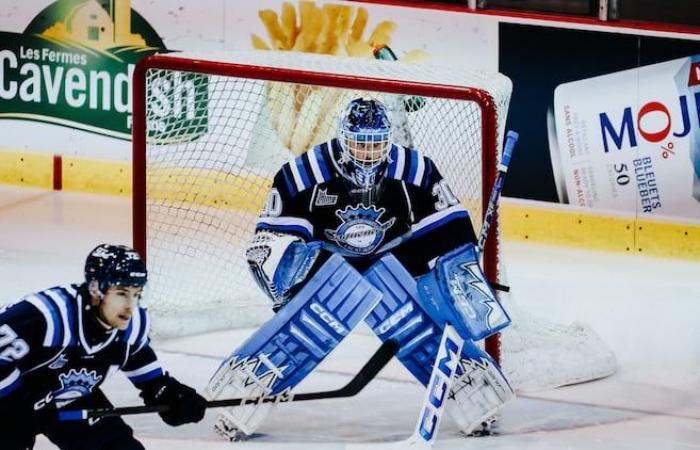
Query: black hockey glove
point(185, 404)
point(17, 413)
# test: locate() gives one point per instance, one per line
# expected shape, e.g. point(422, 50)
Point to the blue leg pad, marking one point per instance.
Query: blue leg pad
point(311, 325)
point(416, 324)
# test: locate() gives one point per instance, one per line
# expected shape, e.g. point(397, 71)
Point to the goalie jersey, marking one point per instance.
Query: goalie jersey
point(51, 350)
point(410, 210)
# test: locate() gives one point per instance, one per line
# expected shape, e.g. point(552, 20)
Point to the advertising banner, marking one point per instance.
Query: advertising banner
point(66, 66)
point(613, 125)
point(630, 140)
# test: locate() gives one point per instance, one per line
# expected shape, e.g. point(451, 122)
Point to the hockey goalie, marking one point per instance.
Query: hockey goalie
point(362, 228)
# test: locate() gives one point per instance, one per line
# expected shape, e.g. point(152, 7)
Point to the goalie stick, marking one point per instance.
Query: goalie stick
point(511, 140)
point(433, 406)
point(443, 373)
point(368, 372)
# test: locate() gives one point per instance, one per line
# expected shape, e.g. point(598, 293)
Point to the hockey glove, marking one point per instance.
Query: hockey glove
point(24, 414)
point(185, 404)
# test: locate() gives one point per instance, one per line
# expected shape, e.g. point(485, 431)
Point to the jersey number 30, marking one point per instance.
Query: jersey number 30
point(11, 346)
point(444, 195)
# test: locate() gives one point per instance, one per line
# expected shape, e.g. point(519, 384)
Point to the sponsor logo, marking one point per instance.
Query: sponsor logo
point(447, 360)
point(73, 66)
point(395, 318)
point(328, 318)
point(654, 122)
point(361, 231)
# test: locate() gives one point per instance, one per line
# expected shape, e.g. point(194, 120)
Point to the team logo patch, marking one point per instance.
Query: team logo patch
point(361, 231)
point(75, 384)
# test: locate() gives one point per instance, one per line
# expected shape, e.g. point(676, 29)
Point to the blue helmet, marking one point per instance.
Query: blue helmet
point(111, 265)
point(364, 133)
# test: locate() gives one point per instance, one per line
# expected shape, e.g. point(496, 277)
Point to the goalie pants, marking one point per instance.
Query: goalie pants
point(109, 433)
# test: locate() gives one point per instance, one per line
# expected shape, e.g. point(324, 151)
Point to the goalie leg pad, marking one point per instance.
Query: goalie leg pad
point(458, 288)
point(480, 388)
point(401, 317)
point(282, 352)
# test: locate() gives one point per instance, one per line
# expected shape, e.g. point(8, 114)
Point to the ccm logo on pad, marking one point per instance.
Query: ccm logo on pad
point(328, 318)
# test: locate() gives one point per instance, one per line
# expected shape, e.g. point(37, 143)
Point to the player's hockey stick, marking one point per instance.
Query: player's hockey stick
point(368, 372)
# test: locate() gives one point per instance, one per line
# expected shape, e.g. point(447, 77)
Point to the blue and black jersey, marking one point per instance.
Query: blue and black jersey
point(53, 349)
point(411, 210)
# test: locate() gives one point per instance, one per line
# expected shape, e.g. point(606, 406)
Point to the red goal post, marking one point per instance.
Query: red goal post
point(176, 128)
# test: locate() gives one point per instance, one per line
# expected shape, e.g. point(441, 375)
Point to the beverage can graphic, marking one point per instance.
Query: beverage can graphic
point(630, 140)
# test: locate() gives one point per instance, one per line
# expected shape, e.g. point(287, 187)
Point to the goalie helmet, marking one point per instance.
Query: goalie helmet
point(111, 265)
point(364, 133)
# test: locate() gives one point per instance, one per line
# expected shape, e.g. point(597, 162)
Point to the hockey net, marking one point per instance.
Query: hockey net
point(210, 133)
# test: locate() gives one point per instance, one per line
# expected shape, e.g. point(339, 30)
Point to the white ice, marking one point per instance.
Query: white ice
point(646, 309)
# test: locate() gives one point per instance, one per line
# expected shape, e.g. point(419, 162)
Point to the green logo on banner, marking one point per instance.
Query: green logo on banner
point(73, 66)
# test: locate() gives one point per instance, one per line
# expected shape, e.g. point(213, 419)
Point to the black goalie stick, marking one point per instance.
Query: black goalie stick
point(368, 372)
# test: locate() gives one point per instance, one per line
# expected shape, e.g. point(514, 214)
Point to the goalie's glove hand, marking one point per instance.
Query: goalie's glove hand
point(185, 404)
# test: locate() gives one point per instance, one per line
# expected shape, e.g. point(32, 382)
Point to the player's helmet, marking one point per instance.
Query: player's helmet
point(364, 133)
point(115, 265)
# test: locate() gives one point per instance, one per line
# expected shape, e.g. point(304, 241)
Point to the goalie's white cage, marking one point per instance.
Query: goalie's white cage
point(209, 134)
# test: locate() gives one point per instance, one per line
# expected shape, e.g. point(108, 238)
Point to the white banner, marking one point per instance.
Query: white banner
point(630, 140)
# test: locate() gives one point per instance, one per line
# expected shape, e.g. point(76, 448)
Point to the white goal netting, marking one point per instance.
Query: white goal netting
point(217, 130)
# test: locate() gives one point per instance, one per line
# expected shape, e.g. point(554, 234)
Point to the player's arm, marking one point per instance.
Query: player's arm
point(24, 332)
point(282, 253)
point(157, 387)
point(440, 222)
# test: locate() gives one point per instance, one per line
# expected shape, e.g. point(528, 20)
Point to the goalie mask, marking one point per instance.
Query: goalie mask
point(111, 265)
point(364, 133)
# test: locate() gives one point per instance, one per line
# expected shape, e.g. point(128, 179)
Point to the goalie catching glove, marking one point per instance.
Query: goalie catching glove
point(185, 404)
point(280, 263)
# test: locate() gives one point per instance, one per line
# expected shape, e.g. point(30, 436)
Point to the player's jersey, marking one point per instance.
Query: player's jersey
point(52, 350)
point(411, 211)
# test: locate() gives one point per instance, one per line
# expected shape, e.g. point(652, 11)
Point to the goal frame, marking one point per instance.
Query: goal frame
point(485, 102)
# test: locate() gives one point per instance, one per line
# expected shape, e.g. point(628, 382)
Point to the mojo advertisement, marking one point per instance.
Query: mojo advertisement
point(615, 127)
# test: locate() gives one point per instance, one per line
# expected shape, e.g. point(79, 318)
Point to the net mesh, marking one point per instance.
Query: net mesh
point(214, 143)
point(215, 138)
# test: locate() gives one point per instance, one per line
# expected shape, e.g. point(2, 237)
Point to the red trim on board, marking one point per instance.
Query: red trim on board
point(57, 172)
point(550, 17)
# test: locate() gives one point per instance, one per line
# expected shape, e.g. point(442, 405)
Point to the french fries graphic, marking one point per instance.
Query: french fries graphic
point(305, 115)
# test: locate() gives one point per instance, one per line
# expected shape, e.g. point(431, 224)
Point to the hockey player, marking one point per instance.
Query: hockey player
point(379, 209)
point(59, 345)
